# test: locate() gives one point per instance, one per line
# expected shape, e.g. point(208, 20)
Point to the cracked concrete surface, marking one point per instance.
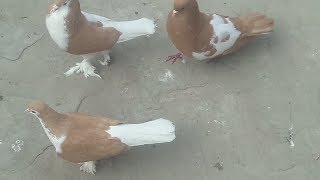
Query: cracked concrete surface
point(234, 112)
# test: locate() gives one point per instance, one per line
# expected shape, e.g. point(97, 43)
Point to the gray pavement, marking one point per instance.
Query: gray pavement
point(232, 116)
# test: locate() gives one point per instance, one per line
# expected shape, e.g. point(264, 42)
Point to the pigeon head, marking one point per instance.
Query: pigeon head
point(61, 3)
point(182, 6)
point(37, 108)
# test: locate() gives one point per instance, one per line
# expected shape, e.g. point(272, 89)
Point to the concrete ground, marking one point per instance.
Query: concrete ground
point(232, 116)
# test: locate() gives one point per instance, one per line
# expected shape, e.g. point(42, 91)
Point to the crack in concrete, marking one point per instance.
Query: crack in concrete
point(24, 49)
point(188, 87)
point(30, 164)
point(85, 97)
point(38, 155)
point(80, 103)
point(286, 169)
point(204, 161)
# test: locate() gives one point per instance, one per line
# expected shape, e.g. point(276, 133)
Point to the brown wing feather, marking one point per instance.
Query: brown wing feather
point(254, 24)
point(250, 26)
point(88, 37)
point(91, 144)
point(92, 38)
point(80, 119)
point(87, 139)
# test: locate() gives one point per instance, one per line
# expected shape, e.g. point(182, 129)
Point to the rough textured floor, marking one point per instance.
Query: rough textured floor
point(232, 116)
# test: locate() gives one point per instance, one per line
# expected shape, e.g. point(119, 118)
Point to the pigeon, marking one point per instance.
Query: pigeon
point(201, 36)
point(85, 139)
point(89, 35)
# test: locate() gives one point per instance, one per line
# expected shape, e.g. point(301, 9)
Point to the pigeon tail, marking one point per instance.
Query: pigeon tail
point(129, 29)
point(135, 28)
point(254, 24)
point(152, 132)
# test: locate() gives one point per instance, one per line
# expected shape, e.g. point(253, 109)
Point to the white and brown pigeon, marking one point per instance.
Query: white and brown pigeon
point(203, 36)
point(84, 139)
point(88, 35)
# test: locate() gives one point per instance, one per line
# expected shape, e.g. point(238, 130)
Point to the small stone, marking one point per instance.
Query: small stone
point(136, 12)
point(219, 166)
point(207, 133)
point(1, 98)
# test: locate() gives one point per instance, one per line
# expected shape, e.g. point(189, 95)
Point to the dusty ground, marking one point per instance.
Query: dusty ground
point(232, 116)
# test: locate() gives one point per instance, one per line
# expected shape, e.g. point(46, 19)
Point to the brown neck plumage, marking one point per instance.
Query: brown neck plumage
point(193, 18)
point(75, 18)
point(190, 17)
point(51, 118)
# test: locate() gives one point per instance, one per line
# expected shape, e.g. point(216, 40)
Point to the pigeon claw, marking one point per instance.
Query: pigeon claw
point(175, 57)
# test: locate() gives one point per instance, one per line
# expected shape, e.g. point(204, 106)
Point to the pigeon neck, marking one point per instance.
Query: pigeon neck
point(52, 120)
point(65, 4)
point(74, 18)
point(192, 18)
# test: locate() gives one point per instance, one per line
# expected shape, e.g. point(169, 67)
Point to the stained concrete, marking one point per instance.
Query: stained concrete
point(232, 116)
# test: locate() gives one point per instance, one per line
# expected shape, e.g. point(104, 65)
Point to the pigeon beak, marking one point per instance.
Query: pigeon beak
point(174, 12)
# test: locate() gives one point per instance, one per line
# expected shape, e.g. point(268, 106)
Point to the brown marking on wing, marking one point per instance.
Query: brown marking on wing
point(216, 39)
point(226, 38)
point(250, 26)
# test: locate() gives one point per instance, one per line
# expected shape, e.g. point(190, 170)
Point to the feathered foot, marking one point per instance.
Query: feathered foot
point(84, 67)
point(89, 167)
point(107, 58)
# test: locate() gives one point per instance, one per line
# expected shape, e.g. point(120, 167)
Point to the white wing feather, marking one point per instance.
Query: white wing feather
point(152, 132)
point(129, 29)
